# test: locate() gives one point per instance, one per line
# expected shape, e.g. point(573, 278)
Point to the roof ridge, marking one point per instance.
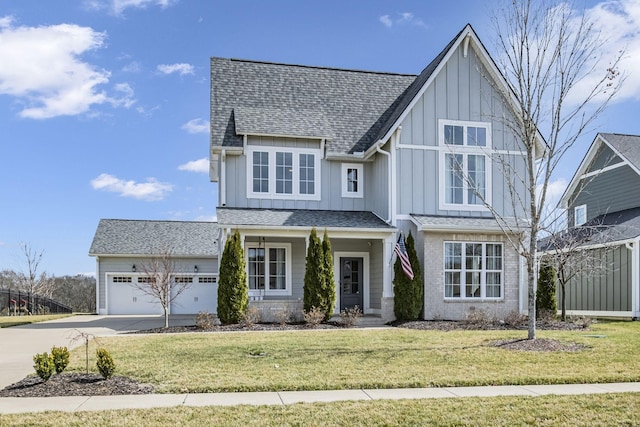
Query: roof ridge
point(156, 220)
point(619, 134)
point(316, 67)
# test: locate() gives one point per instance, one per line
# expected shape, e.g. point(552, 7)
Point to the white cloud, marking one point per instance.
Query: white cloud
point(617, 22)
point(200, 165)
point(196, 126)
point(181, 69)
point(132, 67)
point(41, 66)
point(404, 18)
point(117, 7)
point(152, 190)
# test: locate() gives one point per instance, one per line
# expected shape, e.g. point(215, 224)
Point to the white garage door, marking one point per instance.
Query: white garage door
point(200, 295)
point(125, 298)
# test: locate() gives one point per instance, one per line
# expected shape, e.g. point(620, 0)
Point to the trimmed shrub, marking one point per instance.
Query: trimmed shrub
point(329, 288)
point(313, 317)
point(105, 364)
point(60, 358)
point(408, 293)
point(233, 290)
point(546, 304)
point(43, 365)
point(349, 316)
point(314, 276)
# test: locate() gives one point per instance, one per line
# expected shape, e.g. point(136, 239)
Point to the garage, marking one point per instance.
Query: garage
point(201, 295)
point(125, 298)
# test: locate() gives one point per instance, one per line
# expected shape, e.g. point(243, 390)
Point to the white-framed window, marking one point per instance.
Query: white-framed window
point(473, 270)
point(121, 279)
point(579, 215)
point(283, 173)
point(269, 268)
point(207, 279)
point(465, 166)
point(352, 180)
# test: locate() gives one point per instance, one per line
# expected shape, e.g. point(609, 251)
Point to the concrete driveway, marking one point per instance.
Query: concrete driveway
point(19, 344)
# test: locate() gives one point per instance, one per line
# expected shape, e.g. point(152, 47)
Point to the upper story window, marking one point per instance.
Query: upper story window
point(282, 172)
point(352, 180)
point(580, 215)
point(464, 165)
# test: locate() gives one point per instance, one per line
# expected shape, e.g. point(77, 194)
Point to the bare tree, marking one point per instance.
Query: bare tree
point(31, 279)
point(545, 50)
point(159, 280)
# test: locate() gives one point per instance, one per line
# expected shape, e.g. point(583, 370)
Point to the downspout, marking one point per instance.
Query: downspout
point(222, 182)
point(381, 151)
point(391, 174)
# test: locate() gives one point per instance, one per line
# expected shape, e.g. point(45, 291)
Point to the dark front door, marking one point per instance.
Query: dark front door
point(351, 282)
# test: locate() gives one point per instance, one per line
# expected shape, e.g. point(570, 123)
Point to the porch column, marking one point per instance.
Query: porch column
point(387, 269)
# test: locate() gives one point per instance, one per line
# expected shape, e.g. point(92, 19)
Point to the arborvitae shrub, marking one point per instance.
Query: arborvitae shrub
point(105, 364)
point(314, 276)
point(233, 290)
point(408, 294)
point(546, 304)
point(43, 365)
point(329, 288)
point(60, 358)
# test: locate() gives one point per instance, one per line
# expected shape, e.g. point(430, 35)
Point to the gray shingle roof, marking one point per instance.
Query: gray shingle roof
point(299, 218)
point(348, 106)
point(627, 145)
point(134, 237)
point(437, 222)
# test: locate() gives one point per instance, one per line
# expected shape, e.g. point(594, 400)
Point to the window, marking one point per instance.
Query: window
point(472, 270)
point(122, 279)
point(269, 268)
point(286, 173)
point(580, 215)
point(183, 279)
point(352, 180)
point(465, 174)
point(207, 279)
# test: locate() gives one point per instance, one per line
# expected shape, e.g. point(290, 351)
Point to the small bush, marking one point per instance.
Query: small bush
point(60, 358)
point(478, 318)
point(105, 364)
point(545, 315)
point(349, 316)
point(282, 316)
point(204, 320)
point(44, 366)
point(546, 290)
point(514, 318)
point(251, 317)
point(313, 317)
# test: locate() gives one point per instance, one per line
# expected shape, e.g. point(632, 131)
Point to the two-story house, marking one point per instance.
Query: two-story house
point(365, 156)
point(602, 201)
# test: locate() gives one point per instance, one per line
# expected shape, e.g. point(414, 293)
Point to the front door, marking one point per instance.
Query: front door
point(351, 274)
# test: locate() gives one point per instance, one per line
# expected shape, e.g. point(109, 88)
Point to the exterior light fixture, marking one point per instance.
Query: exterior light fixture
point(133, 268)
point(195, 268)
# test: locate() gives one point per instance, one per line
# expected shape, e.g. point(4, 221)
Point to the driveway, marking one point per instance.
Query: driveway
point(19, 344)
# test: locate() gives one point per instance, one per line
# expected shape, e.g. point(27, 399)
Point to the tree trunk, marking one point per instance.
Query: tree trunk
point(563, 302)
point(531, 300)
point(166, 317)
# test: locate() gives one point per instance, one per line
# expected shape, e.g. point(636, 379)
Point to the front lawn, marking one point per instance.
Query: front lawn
point(366, 358)
point(585, 410)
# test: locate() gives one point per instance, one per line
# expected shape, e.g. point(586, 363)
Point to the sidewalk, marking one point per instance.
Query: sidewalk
point(15, 405)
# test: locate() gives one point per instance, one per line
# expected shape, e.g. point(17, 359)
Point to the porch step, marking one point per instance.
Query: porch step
point(369, 321)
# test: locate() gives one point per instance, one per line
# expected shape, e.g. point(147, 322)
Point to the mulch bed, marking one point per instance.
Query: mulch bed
point(80, 384)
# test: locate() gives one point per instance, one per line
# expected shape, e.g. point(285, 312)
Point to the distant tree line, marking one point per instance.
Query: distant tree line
point(78, 292)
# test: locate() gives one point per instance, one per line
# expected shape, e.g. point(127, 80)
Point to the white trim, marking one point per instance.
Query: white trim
point(366, 309)
point(603, 170)
point(277, 135)
point(288, 280)
point(359, 181)
point(635, 278)
point(222, 187)
point(296, 152)
point(484, 271)
point(575, 215)
point(439, 148)
point(588, 313)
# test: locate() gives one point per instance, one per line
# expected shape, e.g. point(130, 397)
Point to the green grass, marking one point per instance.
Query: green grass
point(585, 410)
point(8, 321)
point(364, 358)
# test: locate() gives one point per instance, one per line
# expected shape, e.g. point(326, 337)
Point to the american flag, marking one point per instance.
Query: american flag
point(401, 250)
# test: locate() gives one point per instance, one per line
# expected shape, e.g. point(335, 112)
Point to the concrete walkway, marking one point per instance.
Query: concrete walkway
point(15, 405)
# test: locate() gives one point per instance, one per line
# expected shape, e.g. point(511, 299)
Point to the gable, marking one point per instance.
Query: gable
point(604, 157)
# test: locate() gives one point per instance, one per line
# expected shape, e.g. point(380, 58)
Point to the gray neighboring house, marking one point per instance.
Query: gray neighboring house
point(122, 247)
point(605, 192)
point(365, 156)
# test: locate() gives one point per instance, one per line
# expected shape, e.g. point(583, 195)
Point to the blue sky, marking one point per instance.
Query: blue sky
point(104, 104)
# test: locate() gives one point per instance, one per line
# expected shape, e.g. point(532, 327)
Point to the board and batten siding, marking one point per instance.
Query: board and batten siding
point(374, 181)
point(462, 92)
point(606, 291)
point(604, 157)
point(124, 265)
point(612, 191)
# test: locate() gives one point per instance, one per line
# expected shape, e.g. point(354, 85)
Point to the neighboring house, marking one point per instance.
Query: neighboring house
point(124, 247)
point(603, 202)
point(365, 156)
